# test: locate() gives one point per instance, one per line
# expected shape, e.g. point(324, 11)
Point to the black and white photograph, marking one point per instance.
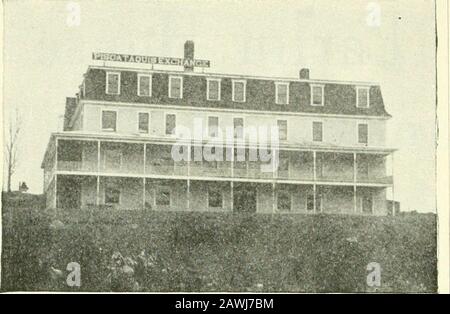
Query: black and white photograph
point(220, 147)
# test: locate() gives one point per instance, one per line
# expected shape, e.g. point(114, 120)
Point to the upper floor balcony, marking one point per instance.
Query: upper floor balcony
point(159, 160)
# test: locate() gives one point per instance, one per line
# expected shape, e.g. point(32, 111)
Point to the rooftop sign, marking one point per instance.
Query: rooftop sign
point(116, 57)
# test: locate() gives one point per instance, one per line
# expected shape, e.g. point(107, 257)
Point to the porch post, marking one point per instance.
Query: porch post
point(144, 181)
point(188, 189)
point(145, 157)
point(188, 194)
point(98, 156)
point(97, 202)
point(56, 174)
point(354, 182)
point(55, 204)
point(56, 154)
point(232, 195)
point(274, 205)
point(314, 180)
point(232, 176)
point(393, 190)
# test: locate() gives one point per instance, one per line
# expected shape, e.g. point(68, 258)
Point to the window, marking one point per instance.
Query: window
point(240, 158)
point(170, 124)
point(238, 91)
point(175, 87)
point(144, 85)
point(162, 197)
point(143, 122)
point(362, 97)
point(283, 201)
point(284, 164)
point(213, 126)
point(213, 89)
point(363, 169)
point(317, 95)
point(113, 83)
point(211, 164)
point(282, 129)
point(238, 125)
point(215, 198)
point(282, 93)
point(363, 133)
point(310, 202)
point(112, 195)
point(109, 120)
point(367, 204)
point(317, 132)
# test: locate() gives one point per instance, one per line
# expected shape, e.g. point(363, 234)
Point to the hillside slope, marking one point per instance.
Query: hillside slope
point(193, 251)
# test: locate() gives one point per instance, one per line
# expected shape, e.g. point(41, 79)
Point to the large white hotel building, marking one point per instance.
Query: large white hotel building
point(115, 149)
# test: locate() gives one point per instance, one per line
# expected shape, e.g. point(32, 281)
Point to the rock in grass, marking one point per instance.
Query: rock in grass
point(57, 225)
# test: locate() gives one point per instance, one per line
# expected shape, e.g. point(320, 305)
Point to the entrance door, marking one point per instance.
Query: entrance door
point(367, 204)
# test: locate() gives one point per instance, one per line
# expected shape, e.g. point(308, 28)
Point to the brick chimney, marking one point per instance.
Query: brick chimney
point(304, 74)
point(71, 105)
point(189, 55)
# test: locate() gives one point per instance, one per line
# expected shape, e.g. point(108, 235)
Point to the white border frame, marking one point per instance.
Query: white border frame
point(149, 84)
point(287, 92)
point(367, 89)
point(219, 93)
point(233, 93)
point(118, 82)
point(322, 86)
point(170, 86)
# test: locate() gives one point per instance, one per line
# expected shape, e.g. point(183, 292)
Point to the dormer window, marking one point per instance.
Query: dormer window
point(213, 89)
point(239, 90)
point(175, 87)
point(317, 95)
point(144, 85)
point(281, 93)
point(362, 97)
point(113, 83)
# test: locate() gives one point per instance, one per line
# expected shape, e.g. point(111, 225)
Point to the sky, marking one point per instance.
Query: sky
point(47, 49)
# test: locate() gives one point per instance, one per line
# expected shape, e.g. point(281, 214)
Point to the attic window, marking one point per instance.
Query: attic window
point(113, 83)
point(213, 89)
point(282, 93)
point(144, 85)
point(176, 87)
point(362, 97)
point(238, 91)
point(317, 95)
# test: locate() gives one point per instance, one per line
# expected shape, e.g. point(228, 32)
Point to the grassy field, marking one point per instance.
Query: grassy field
point(175, 251)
